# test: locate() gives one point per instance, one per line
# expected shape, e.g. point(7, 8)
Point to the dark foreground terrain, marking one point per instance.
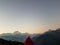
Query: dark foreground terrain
point(5, 42)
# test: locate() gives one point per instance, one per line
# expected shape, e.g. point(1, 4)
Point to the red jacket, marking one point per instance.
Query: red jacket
point(28, 41)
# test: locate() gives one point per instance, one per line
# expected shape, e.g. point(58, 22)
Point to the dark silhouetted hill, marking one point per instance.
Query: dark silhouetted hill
point(49, 38)
point(5, 42)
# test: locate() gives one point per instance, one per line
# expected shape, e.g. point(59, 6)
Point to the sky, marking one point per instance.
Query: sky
point(29, 16)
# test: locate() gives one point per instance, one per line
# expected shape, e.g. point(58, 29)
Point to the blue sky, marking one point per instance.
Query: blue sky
point(32, 16)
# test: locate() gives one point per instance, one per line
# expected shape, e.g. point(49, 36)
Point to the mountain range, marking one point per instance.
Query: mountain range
point(51, 37)
point(17, 36)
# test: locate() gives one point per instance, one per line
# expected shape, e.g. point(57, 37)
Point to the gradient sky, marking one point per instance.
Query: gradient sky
point(32, 16)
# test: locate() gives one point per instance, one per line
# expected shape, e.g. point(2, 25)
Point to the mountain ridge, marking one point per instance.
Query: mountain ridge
point(49, 38)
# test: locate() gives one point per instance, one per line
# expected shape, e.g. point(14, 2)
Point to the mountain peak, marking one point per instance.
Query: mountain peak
point(16, 32)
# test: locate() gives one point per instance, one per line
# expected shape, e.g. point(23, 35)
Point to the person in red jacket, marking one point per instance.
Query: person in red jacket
point(28, 41)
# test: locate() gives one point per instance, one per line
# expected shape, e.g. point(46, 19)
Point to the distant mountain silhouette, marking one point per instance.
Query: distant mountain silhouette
point(5, 42)
point(49, 38)
point(16, 36)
